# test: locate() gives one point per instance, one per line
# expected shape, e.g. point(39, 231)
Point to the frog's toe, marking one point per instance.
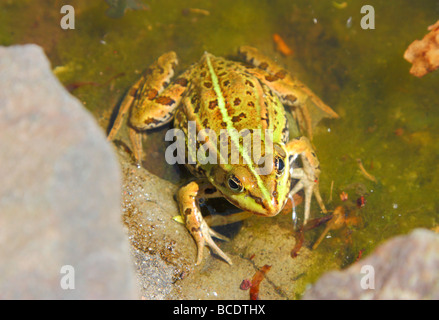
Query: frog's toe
point(207, 240)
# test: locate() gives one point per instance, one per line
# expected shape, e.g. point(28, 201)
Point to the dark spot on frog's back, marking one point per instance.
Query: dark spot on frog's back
point(236, 102)
point(249, 83)
point(182, 82)
point(290, 98)
point(281, 74)
point(188, 211)
point(197, 108)
point(263, 65)
point(165, 100)
point(208, 85)
point(213, 104)
point(271, 78)
point(152, 93)
point(226, 83)
point(194, 99)
point(238, 117)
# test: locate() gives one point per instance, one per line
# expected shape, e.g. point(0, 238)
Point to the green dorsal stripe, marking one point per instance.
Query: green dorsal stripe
point(230, 127)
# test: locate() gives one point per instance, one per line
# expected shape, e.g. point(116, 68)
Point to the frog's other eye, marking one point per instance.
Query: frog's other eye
point(235, 184)
point(279, 165)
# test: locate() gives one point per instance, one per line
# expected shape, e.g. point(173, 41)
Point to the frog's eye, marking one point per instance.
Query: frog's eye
point(279, 165)
point(235, 184)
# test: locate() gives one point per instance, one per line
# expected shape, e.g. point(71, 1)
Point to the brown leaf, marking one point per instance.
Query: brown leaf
point(424, 54)
point(257, 278)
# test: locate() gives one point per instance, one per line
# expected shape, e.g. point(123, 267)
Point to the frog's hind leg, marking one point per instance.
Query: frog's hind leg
point(148, 86)
point(291, 92)
point(308, 176)
point(188, 197)
point(151, 100)
point(123, 109)
point(135, 137)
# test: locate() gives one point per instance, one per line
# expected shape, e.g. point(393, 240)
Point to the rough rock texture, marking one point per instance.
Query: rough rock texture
point(161, 247)
point(405, 267)
point(59, 192)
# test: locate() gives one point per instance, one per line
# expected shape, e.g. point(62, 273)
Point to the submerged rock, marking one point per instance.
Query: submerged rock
point(60, 222)
point(165, 253)
point(404, 267)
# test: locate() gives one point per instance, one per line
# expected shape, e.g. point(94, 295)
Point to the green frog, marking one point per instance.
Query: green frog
point(220, 94)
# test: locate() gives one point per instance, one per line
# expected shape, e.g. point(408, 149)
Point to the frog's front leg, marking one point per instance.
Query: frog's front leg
point(188, 197)
point(151, 101)
point(308, 175)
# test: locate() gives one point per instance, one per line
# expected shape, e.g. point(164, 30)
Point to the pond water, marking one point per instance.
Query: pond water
point(388, 118)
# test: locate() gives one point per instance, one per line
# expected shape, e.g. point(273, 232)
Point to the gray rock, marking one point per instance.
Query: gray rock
point(163, 250)
point(60, 190)
point(405, 267)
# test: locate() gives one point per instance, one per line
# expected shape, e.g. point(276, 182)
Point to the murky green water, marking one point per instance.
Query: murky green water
point(389, 119)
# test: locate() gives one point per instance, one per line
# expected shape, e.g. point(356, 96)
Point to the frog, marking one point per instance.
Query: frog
point(218, 94)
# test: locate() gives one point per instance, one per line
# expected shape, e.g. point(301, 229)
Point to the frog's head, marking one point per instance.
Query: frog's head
point(262, 192)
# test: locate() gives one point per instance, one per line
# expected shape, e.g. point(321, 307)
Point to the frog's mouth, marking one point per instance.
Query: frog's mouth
point(268, 215)
point(269, 211)
point(260, 207)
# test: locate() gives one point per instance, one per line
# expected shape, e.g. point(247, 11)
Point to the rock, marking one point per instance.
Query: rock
point(60, 191)
point(404, 267)
point(162, 249)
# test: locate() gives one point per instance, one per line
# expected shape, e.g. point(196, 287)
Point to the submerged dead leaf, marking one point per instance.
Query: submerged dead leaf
point(424, 54)
point(257, 278)
point(281, 45)
point(341, 217)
